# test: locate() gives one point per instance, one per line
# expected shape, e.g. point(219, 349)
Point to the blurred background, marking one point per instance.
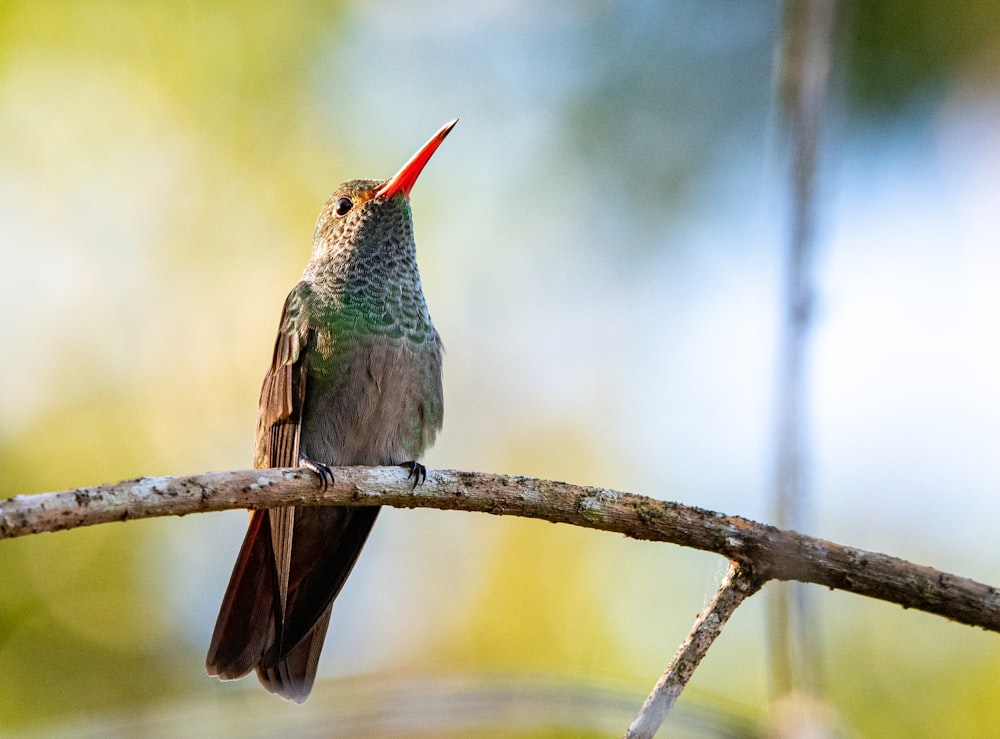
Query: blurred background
point(601, 241)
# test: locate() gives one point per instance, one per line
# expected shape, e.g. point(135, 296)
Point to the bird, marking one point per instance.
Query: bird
point(355, 379)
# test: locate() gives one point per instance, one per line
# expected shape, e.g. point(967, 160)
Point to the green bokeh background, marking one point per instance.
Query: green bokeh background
point(600, 242)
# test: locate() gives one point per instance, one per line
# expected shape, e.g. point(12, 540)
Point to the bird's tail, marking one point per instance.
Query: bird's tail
point(281, 637)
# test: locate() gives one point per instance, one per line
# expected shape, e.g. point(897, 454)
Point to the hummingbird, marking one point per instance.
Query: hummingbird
point(355, 379)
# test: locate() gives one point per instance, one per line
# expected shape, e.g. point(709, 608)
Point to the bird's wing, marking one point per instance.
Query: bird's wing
point(279, 414)
point(251, 616)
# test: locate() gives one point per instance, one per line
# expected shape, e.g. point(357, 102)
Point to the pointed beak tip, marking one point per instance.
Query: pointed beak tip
point(406, 177)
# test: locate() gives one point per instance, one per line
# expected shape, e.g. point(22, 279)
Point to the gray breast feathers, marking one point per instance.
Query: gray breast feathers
point(377, 403)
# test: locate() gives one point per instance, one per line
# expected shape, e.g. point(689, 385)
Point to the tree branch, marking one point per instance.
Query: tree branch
point(769, 552)
point(739, 584)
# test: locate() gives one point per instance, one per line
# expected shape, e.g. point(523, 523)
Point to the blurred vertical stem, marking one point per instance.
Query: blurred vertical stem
point(806, 58)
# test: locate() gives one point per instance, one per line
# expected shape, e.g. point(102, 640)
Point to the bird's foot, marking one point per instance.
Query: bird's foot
point(417, 471)
point(323, 470)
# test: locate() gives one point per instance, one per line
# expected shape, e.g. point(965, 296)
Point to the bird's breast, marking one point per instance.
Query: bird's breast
point(373, 400)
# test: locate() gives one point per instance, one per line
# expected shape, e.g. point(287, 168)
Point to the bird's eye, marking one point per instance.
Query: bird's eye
point(343, 206)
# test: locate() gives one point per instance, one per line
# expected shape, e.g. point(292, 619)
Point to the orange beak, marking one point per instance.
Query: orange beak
point(405, 178)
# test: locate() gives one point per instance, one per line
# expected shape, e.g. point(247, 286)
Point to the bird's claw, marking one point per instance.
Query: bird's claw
point(323, 470)
point(417, 471)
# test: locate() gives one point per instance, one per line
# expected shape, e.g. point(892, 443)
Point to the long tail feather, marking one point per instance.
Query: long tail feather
point(282, 641)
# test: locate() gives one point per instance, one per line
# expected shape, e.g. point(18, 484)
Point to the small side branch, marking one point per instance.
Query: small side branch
point(774, 553)
point(738, 585)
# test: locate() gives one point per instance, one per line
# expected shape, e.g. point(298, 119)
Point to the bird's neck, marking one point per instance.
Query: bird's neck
point(381, 296)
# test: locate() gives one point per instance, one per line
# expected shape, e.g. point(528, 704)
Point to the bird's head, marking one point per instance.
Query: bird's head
point(372, 212)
